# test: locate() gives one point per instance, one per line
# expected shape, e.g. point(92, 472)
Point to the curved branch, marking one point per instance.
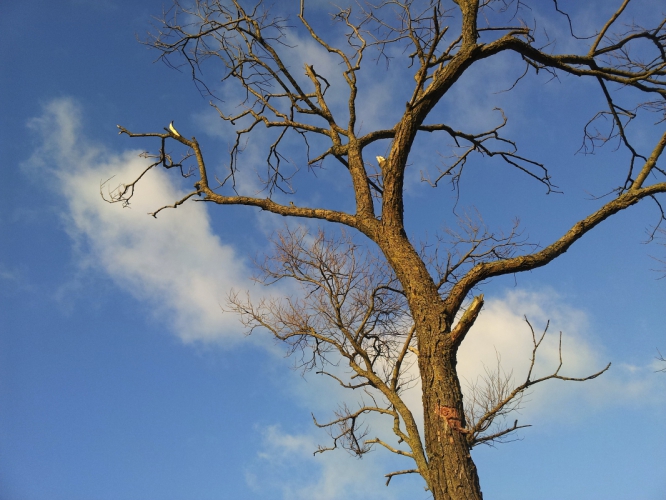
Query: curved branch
point(522, 263)
point(602, 33)
point(390, 475)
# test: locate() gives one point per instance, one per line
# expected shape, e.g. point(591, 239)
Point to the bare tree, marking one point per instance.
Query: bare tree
point(352, 307)
point(411, 303)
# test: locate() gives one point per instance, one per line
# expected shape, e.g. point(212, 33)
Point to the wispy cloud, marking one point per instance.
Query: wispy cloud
point(174, 263)
point(286, 463)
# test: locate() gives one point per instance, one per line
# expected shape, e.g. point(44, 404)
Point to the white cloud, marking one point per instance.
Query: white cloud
point(174, 263)
point(501, 328)
point(286, 463)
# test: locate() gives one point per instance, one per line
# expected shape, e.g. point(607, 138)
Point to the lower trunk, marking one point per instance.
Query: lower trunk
point(452, 474)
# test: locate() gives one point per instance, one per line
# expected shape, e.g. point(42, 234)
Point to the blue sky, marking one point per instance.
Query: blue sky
point(122, 378)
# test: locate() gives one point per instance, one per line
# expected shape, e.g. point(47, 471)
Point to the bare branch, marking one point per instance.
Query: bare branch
point(522, 263)
point(399, 472)
point(494, 399)
point(351, 308)
point(604, 30)
point(662, 359)
point(351, 431)
point(477, 144)
point(389, 447)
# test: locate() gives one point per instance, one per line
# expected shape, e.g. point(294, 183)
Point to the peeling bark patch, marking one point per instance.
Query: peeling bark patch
point(452, 418)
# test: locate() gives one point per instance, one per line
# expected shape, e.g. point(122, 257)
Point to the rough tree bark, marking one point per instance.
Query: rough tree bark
point(249, 42)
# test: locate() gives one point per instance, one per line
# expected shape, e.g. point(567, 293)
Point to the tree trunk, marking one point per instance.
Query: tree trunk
point(452, 474)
